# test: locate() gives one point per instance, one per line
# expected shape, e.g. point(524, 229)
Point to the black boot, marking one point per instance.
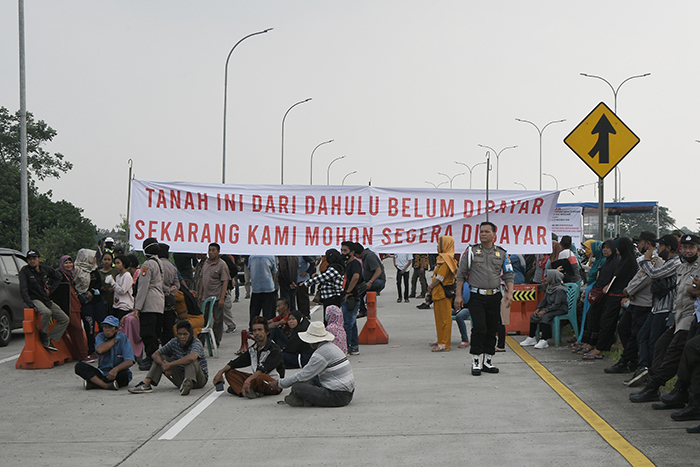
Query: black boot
point(675, 399)
point(488, 366)
point(691, 412)
point(650, 392)
point(620, 367)
point(695, 429)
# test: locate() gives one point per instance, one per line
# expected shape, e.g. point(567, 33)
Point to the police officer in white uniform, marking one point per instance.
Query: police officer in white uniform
point(484, 266)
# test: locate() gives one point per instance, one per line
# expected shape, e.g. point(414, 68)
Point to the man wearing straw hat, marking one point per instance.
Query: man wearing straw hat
point(327, 380)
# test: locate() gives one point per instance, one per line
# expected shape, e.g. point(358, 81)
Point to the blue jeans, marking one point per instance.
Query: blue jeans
point(460, 317)
point(377, 285)
point(350, 324)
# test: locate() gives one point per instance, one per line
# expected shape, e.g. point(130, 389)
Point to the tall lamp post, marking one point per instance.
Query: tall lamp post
point(282, 156)
point(540, 132)
point(328, 172)
point(347, 175)
point(450, 178)
point(470, 169)
point(498, 154)
point(311, 170)
point(518, 183)
point(617, 170)
point(223, 163)
point(434, 185)
point(555, 179)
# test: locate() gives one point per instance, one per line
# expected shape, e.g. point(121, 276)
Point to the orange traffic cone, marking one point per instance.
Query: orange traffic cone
point(373, 332)
point(34, 355)
point(244, 342)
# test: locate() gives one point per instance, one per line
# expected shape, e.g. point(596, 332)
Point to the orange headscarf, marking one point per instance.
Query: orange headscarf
point(446, 252)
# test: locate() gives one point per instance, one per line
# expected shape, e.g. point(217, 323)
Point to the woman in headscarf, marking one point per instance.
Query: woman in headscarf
point(553, 304)
point(296, 353)
point(66, 297)
point(443, 276)
point(596, 260)
point(625, 270)
point(331, 280)
point(334, 318)
point(88, 284)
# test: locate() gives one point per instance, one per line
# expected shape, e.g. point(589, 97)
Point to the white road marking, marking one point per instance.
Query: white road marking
point(9, 359)
point(184, 421)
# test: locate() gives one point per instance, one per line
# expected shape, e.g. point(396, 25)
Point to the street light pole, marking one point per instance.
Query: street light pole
point(347, 175)
point(555, 179)
point(434, 185)
point(518, 183)
point(470, 170)
point(540, 132)
point(450, 178)
point(328, 172)
point(498, 155)
point(282, 157)
point(600, 181)
point(223, 163)
point(311, 170)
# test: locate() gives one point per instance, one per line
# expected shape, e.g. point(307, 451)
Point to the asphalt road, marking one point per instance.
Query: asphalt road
point(411, 407)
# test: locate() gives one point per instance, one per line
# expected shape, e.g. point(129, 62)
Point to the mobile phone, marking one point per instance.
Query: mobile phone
point(219, 386)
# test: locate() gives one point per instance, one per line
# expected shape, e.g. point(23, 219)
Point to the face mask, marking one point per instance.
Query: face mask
point(691, 259)
point(643, 250)
point(346, 257)
point(664, 254)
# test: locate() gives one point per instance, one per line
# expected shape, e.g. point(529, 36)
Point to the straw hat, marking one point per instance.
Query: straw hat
point(316, 332)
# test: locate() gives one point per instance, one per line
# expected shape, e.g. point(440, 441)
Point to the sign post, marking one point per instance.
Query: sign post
point(601, 141)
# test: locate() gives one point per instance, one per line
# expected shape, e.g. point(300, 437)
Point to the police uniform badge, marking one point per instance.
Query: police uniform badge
point(144, 270)
point(498, 254)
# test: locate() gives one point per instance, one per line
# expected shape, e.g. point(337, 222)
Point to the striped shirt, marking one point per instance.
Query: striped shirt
point(330, 283)
point(175, 351)
point(331, 366)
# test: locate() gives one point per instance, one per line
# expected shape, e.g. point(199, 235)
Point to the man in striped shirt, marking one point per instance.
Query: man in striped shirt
point(327, 380)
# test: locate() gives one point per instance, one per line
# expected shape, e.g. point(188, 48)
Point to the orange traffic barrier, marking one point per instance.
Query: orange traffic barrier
point(34, 356)
point(525, 300)
point(373, 332)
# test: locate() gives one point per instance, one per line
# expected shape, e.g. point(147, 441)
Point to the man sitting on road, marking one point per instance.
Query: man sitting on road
point(327, 380)
point(265, 359)
point(36, 283)
point(182, 360)
point(115, 358)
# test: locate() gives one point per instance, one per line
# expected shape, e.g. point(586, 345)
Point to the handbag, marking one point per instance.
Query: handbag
point(450, 290)
point(595, 295)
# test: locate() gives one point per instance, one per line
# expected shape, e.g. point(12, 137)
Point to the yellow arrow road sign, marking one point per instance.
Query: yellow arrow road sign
point(601, 140)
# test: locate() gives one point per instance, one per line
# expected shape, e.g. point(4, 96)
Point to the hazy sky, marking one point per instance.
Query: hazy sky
point(405, 88)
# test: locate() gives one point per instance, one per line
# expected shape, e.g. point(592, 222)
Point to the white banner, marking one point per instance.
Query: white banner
point(569, 221)
point(296, 220)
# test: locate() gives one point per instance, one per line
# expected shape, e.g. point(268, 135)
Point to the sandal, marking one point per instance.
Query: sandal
point(581, 348)
point(592, 356)
point(440, 348)
point(433, 344)
point(576, 345)
point(399, 300)
point(463, 345)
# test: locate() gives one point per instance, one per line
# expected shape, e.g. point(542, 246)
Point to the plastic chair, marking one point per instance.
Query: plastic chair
point(208, 330)
point(572, 293)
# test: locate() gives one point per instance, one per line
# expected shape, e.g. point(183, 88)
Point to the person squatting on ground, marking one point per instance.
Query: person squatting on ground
point(115, 358)
point(553, 304)
point(182, 360)
point(36, 282)
point(483, 266)
point(669, 347)
point(265, 360)
point(327, 380)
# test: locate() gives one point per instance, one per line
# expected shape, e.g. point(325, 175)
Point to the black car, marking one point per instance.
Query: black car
point(11, 304)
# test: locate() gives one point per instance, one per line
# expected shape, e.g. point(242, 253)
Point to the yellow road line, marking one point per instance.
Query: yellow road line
point(615, 439)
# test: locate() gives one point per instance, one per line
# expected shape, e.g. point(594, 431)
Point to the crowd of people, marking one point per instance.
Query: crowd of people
point(642, 291)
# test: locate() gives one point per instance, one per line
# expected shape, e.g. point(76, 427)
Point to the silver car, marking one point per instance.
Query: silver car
point(11, 303)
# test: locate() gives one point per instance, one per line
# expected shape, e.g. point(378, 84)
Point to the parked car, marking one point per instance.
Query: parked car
point(11, 304)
